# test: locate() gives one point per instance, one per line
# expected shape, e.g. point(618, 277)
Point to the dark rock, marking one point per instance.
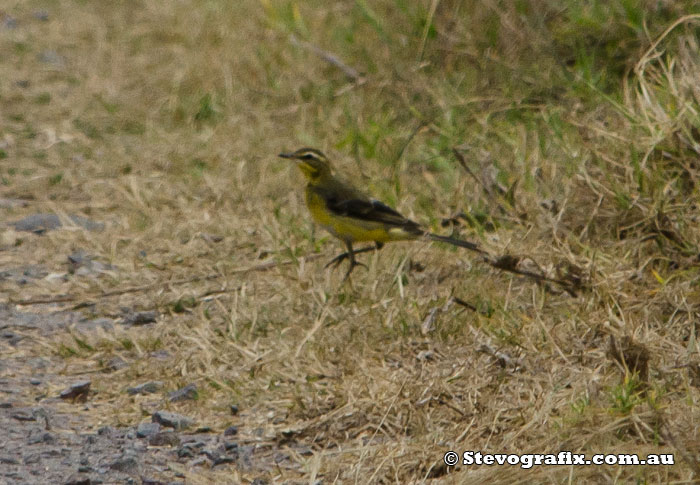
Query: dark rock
point(24, 416)
point(140, 318)
point(42, 222)
point(152, 481)
point(165, 438)
point(78, 479)
point(231, 431)
point(234, 409)
point(145, 388)
point(197, 462)
point(9, 460)
point(50, 56)
point(116, 363)
point(185, 452)
point(9, 22)
point(144, 430)
point(125, 463)
point(83, 264)
point(160, 354)
point(5, 405)
point(90, 325)
point(222, 460)
point(11, 337)
point(172, 420)
point(32, 458)
point(41, 438)
point(78, 390)
point(189, 392)
point(42, 15)
point(105, 431)
point(231, 446)
point(34, 381)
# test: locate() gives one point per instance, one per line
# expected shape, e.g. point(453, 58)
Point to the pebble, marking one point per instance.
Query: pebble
point(145, 430)
point(79, 389)
point(164, 438)
point(172, 420)
point(43, 222)
point(140, 318)
point(149, 387)
point(189, 392)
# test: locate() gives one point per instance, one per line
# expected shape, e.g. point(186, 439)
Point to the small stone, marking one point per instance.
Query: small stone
point(42, 15)
point(165, 438)
point(185, 452)
point(140, 318)
point(222, 460)
point(231, 446)
point(152, 481)
point(9, 22)
point(34, 381)
point(144, 430)
point(105, 431)
point(145, 388)
point(231, 431)
point(172, 420)
point(5, 405)
point(125, 463)
point(105, 324)
point(24, 416)
point(42, 222)
point(234, 409)
point(78, 390)
point(161, 354)
point(41, 438)
point(78, 479)
point(116, 363)
point(189, 392)
point(50, 56)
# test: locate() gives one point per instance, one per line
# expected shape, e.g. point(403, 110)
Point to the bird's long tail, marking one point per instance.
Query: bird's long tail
point(455, 242)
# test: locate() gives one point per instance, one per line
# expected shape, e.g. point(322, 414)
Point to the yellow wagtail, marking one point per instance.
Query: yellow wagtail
point(350, 215)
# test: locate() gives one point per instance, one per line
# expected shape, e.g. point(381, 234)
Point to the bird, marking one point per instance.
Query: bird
point(352, 216)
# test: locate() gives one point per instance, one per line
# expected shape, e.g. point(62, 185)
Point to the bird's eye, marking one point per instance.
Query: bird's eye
point(308, 156)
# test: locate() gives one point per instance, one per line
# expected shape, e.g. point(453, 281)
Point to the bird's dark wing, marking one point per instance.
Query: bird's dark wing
point(370, 210)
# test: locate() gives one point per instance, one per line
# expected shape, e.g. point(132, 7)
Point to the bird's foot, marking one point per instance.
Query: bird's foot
point(353, 263)
point(335, 262)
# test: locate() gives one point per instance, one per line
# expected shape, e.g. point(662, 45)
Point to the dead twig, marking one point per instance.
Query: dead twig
point(330, 58)
point(143, 288)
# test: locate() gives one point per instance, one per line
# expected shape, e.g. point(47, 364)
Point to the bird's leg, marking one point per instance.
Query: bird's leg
point(353, 261)
point(335, 262)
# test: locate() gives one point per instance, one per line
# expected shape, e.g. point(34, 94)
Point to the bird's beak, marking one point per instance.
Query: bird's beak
point(286, 155)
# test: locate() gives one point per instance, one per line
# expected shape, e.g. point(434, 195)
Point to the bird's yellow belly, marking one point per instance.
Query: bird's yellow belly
point(350, 229)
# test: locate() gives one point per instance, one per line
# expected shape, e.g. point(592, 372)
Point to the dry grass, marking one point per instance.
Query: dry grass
point(163, 120)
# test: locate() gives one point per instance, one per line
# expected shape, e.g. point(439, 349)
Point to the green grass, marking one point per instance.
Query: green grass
point(580, 133)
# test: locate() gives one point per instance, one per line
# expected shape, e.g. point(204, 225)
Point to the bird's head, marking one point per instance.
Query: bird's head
point(311, 162)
